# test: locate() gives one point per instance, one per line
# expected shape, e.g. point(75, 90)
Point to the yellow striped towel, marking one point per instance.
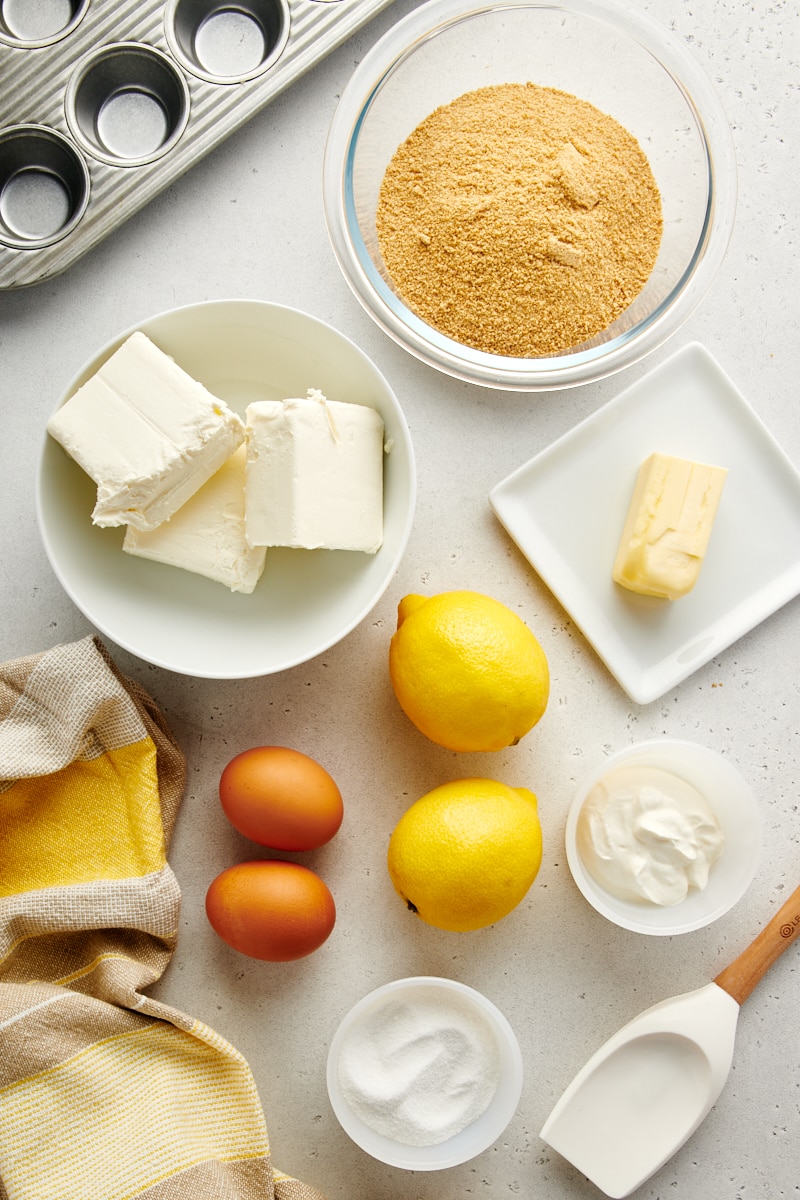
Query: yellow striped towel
point(105, 1093)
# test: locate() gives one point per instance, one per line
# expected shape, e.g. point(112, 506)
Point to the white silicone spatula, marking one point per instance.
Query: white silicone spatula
point(648, 1088)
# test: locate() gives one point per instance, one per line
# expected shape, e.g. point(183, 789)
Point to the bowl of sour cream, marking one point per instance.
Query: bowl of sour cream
point(665, 837)
point(424, 1073)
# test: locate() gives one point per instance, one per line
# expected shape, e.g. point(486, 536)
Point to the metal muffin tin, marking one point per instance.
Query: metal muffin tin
point(103, 103)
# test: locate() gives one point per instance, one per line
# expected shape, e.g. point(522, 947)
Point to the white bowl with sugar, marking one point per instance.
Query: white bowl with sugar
point(424, 1073)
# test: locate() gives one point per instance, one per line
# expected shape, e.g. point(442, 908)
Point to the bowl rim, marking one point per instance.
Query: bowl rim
point(472, 1140)
point(496, 371)
point(254, 669)
point(654, 919)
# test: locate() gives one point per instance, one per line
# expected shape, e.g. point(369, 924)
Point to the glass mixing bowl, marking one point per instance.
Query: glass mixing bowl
point(606, 52)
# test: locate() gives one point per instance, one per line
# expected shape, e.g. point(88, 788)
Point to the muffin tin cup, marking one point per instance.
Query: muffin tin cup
point(44, 187)
point(126, 104)
point(222, 44)
point(104, 103)
point(30, 24)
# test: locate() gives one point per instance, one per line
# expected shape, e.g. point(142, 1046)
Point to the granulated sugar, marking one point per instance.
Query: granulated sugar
point(519, 220)
point(420, 1070)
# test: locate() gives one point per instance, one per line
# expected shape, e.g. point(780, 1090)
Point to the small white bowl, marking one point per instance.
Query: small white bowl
point(737, 812)
point(306, 600)
point(478, 1135)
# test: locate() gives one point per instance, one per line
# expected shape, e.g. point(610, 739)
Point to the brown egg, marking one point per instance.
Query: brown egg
point(281, 798)
point(272, 910)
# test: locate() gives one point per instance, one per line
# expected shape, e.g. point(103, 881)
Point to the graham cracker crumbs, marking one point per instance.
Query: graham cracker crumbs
point(519, 220)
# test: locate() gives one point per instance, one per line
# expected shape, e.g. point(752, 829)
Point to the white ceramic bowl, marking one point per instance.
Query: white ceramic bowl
point(737, 812)
point(477, 1136)
point(306, 601)
point(607, 52)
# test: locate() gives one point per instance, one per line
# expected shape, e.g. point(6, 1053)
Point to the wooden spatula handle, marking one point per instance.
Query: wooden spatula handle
point(739, 979)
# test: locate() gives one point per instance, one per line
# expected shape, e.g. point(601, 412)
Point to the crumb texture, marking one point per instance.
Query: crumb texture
point(519, 220)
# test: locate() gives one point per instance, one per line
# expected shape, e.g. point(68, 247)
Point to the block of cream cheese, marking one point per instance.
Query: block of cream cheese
point(314, 474)
point(147, 433)
point(206, 534)
point(668, 526)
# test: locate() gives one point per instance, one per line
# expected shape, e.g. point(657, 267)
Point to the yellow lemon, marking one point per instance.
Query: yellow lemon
point(465, 854)
point(467, 671)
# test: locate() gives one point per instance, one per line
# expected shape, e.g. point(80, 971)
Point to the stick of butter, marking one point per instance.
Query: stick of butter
point(668, 526)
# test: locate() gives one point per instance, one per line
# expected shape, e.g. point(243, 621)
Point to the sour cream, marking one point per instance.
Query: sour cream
point(418, 1069)
point(646, 834)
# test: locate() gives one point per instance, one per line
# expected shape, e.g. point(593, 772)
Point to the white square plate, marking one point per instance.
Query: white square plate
point(566, 507)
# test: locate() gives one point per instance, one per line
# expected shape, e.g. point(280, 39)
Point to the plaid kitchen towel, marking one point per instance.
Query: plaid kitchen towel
point(105, 1094)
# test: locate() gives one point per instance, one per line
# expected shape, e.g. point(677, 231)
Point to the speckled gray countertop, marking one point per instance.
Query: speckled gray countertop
point(248, 222)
